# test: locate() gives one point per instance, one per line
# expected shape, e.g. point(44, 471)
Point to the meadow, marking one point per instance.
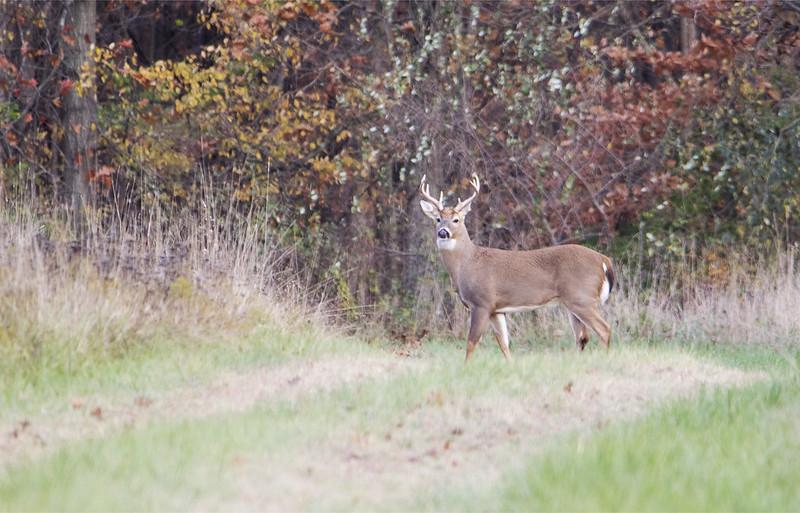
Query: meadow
point(190, 368)
point(218, 290)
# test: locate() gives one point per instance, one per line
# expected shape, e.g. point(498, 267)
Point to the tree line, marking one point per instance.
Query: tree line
point(661, 126)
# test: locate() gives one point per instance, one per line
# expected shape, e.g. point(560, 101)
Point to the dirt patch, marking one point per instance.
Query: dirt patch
point(232, 392)
point(465, 440)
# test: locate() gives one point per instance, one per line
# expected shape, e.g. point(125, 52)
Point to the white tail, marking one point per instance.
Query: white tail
point(494, 282)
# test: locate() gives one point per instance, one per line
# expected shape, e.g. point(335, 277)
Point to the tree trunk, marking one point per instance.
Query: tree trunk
point(80, 102)
point(688, 34)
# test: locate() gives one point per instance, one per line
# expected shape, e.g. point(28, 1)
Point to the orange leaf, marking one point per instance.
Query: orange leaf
point(408, 26)
point(773, 93)
point(7, 65)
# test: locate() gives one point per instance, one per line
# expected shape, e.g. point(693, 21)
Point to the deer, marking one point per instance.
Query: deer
point(494, 282)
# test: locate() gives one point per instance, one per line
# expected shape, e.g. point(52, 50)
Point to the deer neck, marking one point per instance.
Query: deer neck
point(454, 252)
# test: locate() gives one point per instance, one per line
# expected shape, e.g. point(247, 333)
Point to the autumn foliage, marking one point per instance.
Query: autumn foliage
point(663, 126)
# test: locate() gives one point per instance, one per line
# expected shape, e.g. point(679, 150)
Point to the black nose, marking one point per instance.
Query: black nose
point(444, 234)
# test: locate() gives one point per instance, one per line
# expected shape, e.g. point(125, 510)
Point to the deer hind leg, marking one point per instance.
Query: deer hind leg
point(478, 320)
point(580, 331)
point(500, 328)
point(592, 318)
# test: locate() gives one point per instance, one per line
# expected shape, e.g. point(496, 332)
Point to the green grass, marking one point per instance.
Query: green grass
point(163, 364)
point(728, 450)
point(141, 470)
point(182, 464)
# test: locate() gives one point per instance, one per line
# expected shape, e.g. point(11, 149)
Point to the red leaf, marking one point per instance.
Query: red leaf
point(65, 86)
point(30, 82)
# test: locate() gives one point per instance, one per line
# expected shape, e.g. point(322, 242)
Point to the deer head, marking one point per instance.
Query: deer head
point(450, 228)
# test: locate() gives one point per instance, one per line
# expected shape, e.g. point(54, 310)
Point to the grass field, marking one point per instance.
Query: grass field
point(214, 387)
point(348, 426)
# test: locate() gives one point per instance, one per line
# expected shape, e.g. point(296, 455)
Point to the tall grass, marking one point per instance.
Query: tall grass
point(156, 278)
point(208, 274)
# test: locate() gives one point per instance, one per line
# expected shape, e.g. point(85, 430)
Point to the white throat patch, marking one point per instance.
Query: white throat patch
point(446, 244)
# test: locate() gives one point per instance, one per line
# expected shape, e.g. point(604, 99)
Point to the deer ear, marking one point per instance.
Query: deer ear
point(429, 209)
point(465, 209)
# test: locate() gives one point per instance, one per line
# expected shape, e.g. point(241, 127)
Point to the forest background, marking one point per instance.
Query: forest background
point(657, 132)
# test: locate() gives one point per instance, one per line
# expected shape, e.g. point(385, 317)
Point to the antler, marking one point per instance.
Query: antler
point(476, 184)
point(425, 189)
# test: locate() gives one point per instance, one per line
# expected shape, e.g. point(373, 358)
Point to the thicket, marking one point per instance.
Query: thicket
point(645, 128)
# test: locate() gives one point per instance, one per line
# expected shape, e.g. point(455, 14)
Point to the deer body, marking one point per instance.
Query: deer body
point(494, 282)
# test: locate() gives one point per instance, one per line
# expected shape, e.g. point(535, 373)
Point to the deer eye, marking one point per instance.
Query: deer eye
point(455, 220)
point(438, 219)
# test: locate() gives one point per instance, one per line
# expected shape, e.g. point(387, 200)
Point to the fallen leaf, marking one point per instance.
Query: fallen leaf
point(141, 401)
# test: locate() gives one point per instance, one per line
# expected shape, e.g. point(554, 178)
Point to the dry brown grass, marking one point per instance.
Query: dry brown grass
point(66, 303)
point(203, 275)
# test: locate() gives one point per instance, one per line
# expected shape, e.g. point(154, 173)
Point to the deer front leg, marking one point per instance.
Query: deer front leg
point(500, 328)
point(478, 319)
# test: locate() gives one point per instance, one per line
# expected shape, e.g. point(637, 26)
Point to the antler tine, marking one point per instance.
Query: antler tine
point(475, 182)
point(425, 189)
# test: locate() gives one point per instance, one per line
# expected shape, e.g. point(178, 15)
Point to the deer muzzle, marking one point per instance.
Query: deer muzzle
point(443, 234)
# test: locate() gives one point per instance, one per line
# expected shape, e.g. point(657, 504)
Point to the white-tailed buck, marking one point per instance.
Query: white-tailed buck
point(493, 282)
